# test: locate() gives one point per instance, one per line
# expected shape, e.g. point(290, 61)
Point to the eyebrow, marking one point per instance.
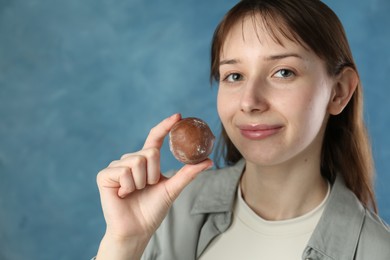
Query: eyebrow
point(231, 61)
point(267, 58)
point(283, 56)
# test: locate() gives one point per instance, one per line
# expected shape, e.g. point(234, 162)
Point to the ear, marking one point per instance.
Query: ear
point(344, 87)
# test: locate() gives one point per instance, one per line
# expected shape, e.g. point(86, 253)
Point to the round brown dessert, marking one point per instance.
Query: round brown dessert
point(191, 140)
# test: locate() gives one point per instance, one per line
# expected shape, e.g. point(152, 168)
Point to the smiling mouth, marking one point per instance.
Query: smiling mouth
point(259, 132)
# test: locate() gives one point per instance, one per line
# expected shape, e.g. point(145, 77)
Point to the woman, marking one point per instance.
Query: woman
point(298, 184)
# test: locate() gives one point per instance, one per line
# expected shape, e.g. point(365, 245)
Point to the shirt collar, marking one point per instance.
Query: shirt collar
point(338, 230)
point(219, 190)
point(337, 233)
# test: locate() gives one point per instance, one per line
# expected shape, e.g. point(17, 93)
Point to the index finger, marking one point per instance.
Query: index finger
point(157, 134)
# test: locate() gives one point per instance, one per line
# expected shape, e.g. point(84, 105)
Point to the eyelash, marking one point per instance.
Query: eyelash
point(226, 78)
point(291, 73)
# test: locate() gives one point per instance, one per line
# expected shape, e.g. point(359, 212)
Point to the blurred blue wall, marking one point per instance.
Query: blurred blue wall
point(82, 82)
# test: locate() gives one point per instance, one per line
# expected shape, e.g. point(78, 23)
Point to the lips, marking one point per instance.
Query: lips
point(259, 132)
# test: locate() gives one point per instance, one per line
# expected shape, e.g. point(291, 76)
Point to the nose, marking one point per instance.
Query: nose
point(253, 98)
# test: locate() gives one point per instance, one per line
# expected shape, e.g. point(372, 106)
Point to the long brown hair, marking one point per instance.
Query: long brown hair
point(346, 147)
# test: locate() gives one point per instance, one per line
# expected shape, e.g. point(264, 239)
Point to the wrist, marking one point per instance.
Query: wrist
point(119, 248)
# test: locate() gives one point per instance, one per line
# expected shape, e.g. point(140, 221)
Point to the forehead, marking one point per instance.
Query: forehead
point(258, 29)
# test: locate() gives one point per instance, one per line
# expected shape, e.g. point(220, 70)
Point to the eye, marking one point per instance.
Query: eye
point(284, 73)
point(233, 77)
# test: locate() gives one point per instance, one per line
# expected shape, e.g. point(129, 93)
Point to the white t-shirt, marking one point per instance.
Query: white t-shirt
point(251, 237)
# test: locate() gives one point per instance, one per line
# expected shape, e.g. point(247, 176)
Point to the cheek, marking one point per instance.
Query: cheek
point(223, 105)
point(219, 101)
point(310, 112)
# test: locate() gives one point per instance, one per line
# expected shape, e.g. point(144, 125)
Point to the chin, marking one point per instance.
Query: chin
point(262, 159)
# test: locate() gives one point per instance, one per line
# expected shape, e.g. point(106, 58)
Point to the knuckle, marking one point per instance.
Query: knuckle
point(153, 153)
point(141, 186)
point(127, 189)
point(125, 172)
point(139, 160)
point(154, 179)
point(113, 163)
point(153, 130)
point(124, 156)
point(101, 176)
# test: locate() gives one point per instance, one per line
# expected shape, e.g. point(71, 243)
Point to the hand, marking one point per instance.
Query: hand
point(135, 196)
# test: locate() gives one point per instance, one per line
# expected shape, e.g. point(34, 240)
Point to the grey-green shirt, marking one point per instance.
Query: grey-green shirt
point(203, 211)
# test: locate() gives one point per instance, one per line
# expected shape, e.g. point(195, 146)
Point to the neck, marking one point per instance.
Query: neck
point(279, 193)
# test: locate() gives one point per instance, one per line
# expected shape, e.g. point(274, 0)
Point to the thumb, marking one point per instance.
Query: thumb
point(184, 176)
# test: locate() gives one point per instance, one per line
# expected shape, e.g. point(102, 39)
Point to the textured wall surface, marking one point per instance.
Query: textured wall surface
point(82, 82)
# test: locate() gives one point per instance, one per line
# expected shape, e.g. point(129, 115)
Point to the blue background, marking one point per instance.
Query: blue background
point(82, 82)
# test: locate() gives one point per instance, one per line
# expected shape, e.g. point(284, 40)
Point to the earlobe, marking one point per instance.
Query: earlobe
point(344, 87)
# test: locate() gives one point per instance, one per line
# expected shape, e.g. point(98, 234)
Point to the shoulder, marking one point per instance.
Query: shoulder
point(375, 236)
point(375, 224)
point(347, 230)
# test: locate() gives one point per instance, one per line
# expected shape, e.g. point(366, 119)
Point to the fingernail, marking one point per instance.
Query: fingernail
point(175, 115)
point(209, 167)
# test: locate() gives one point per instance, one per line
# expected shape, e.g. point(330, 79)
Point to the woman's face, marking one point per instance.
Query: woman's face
point(272, 98)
